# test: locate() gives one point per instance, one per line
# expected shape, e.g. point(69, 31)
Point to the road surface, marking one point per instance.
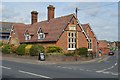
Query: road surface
point(105, 67)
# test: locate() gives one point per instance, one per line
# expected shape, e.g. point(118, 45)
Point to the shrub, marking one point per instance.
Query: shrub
point(52, 49)
point(70, 54)
point(21, 49)
point(13, 48)
point(27, 49)
point(82, 51)
point(36, 49)
point(6, 49)
point(1, 44)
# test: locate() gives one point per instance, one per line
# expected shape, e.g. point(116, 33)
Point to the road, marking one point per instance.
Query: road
point(105, 67)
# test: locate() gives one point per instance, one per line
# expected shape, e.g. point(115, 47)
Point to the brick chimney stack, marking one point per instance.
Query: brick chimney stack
point(51, 9)
point(34, 17)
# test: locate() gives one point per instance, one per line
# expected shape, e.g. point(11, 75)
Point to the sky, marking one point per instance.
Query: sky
point(102, 16)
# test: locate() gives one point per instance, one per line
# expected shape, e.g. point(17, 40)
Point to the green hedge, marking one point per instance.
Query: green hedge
point(69, 54)
point(82, 51)
point(1, 44)
point(21, 49)
point(52, 49)
point(6, 49)
point(36, 49)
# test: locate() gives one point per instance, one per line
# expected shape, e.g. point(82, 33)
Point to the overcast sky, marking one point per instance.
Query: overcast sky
point(102, 16)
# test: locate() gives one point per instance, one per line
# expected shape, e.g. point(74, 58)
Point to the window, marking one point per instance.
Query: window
point(72, 27)
point(90, 44)
point(27, 37)
point(71, 40)
point(41, 36)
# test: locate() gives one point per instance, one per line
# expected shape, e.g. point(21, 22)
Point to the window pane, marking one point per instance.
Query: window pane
point(69, 40)
point(69, 46)
point(72, 39)
point(69, 34)
point(72, 34)
point(72, 46)
point(75, 39)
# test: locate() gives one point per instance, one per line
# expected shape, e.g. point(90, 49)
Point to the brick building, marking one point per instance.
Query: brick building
point(65, 32)
point(104, 46)
point(5, 28)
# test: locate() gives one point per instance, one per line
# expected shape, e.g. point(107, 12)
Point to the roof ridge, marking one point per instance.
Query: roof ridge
point(55, 18)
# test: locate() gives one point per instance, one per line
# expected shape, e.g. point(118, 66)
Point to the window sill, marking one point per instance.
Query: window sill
point(90, 49)
point(71, 48)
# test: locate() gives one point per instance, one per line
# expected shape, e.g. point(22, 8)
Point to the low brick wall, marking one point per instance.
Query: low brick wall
point(57, 58)
point(66, 58)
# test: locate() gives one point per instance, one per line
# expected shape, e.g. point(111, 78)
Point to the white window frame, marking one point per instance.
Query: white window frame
point(71, 41)
point(41, 35)
point(90, 45)
point(27, 37)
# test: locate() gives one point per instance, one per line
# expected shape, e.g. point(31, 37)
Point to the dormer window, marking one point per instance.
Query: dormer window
point(41, 35)
point(27, 37)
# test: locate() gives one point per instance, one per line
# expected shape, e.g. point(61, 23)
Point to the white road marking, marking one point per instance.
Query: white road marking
point(114, 73)
point(88, 70)
point(106, 72)
point(5, 67)
point(105, 69)
point(115, 64)
point(34, 74)
point(99, 71)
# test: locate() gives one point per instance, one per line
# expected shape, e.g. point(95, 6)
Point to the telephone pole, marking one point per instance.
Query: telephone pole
point(76, 11)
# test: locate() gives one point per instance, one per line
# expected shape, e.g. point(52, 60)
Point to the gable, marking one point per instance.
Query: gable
point(88, 31)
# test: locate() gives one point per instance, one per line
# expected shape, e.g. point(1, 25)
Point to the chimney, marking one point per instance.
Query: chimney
point(34, 17)
point(50, 12)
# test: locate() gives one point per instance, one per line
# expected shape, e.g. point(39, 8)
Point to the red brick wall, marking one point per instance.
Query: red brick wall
point(103, 45)
point(94, 40)
point(63, 41)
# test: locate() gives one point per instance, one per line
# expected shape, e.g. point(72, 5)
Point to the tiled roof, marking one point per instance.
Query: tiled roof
point(52, 28)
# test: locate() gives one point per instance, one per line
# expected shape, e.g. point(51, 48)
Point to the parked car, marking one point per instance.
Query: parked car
point(111, 53)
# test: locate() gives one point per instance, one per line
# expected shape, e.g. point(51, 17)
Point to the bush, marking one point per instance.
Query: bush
point(1, 44)
point(6, 49)
point(52, 49)
point(70, 54)
point(27, 49)
point(82, 51)
point(36, 49)
point(13, 48)
point(21, 49)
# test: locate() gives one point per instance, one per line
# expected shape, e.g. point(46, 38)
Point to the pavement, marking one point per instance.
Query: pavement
point(35, 61)
point(104, 67)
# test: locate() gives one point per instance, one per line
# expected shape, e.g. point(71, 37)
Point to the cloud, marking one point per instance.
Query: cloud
point(103, 21)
